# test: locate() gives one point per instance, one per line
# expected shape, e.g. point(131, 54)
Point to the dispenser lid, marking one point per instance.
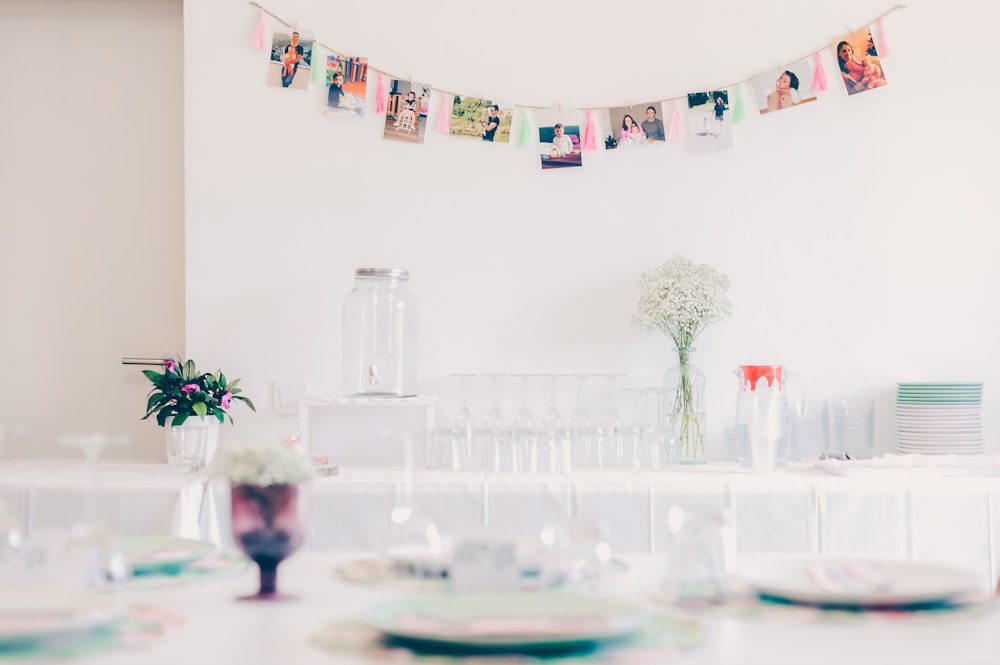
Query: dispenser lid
point(390, 273)
point(751, 374)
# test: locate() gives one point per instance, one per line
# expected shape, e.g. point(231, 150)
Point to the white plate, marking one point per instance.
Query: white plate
point(159, 555)
point(29, 616)
point(857, 582)
point(507, 620)
point(865, 468)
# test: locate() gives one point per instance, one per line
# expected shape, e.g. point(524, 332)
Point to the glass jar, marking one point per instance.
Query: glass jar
point(380, 334)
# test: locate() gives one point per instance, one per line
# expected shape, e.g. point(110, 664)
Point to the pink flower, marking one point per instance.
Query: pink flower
point(226, 400)
point(171, 366)
point(190, 388)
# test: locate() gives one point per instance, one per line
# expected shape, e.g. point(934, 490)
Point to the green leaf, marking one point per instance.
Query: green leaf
point(151, 375)
point(233, 385)
point(220, 417)
point(221, 378)
point(247, 400)
point(179, 419)
point(161, 418)
point(200, 409)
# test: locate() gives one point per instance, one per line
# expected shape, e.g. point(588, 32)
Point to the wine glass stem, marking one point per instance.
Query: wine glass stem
point(268, 579)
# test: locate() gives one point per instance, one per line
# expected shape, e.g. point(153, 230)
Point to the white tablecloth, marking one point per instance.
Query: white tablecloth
point(921, 516)
point(220, 630)
point(914, 514)
point(131, 497)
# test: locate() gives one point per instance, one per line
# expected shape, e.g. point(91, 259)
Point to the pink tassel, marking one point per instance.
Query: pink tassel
point(260, 33)
point(882, 48)
point(819, 76)
point(674, 133)
point(589, 133)
point(380, 96)
point(444, 114)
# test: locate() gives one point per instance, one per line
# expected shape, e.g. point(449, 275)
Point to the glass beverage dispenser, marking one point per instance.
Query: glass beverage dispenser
point(380, 334)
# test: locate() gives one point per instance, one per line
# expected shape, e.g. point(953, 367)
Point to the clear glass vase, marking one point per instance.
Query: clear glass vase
point(684, 393)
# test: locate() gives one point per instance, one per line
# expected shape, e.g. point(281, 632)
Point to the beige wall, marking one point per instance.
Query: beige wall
point(91, 217)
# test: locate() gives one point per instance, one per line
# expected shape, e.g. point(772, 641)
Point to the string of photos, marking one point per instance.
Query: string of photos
point(703, 119)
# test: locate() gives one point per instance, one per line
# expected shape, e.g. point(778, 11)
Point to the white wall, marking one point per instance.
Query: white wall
point(858, 232)
point(91, 218)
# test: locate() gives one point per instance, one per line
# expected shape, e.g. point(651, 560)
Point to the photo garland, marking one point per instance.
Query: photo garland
point(295, 63)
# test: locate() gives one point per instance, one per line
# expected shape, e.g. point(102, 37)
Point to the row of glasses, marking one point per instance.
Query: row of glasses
point(551, 444)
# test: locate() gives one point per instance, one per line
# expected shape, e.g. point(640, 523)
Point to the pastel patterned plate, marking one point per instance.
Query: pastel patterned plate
point(159, 555)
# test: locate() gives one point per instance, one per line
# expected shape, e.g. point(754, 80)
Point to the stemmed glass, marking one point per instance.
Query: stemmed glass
point(269, 524)
point(553, 454)
point(462, 426)
point(494, 418)
point(91, 557)
point(633, 440)
point(579, 427)
point(523, 440)
point(610, 444)
point(522, 419)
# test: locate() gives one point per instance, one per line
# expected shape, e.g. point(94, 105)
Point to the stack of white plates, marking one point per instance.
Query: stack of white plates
point(939, 418)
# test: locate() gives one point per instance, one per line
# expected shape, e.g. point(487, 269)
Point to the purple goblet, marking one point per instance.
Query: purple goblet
point(268, 525)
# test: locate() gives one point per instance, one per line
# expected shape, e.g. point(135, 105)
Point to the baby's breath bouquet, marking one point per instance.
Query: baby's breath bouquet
point(680, 299)
point(263, 465)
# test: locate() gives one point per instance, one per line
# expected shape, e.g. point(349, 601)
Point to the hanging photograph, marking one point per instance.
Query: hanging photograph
point(291, 59)
point(627, 126)
point(785, 88)
point(406, 111)
point(860, 66)
point(708, 121)
point(480, 119)
point(347, 85)
point(559, 138)
point(651, 122)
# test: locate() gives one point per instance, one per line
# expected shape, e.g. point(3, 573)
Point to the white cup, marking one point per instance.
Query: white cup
point(186, 448)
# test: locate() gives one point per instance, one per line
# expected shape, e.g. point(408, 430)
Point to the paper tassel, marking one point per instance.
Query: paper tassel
point(589, 133)
point(737, 98)
point(260, 33)
point(819, 76)
point(523, 128)
point(380, 96)
point(674, 132)
point(317, 72)
point(444, 113)
point(883, 47)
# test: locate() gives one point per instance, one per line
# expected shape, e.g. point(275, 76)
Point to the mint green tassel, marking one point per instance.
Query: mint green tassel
point(523, 129)
point(737, 94)
point(317, 75)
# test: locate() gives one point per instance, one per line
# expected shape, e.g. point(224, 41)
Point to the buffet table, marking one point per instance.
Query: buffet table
point(131, 497)
point(915, 514)
point(918, 515)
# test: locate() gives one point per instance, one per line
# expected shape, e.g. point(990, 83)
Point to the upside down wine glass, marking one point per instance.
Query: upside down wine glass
point(91, 557)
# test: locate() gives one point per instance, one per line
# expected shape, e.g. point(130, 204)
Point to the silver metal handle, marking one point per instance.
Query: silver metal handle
point(157, 362)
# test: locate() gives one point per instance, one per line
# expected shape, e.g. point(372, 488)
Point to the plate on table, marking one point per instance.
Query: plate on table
point(865, 583)
point(506, 620)
point(159, 555)
point(34, 616)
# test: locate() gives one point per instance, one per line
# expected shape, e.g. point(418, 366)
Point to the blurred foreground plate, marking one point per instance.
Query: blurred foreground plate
point(37, 616)
point(510, 621)
point(862, 583)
